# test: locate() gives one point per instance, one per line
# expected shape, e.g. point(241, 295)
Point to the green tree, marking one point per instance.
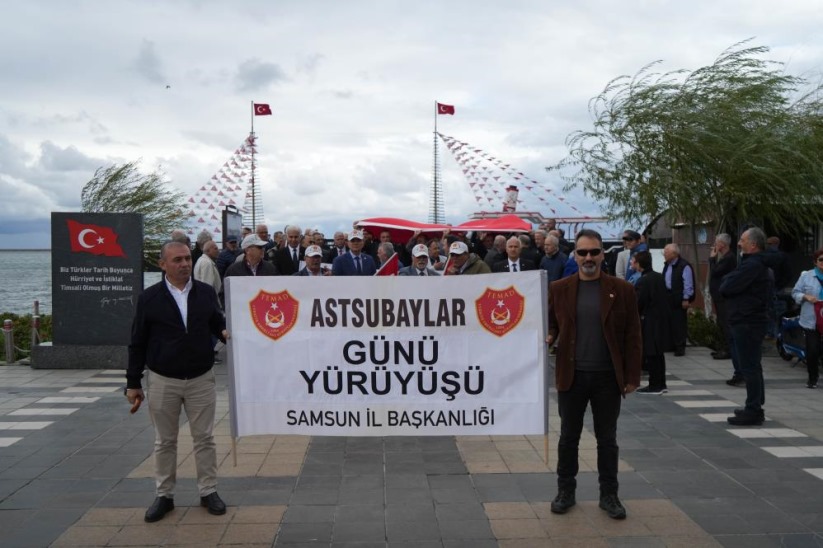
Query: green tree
point(124, 189)
point(729, 142)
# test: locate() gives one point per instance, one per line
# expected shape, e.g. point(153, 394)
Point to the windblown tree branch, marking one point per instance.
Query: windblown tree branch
point(124, 189)
point(728, 142)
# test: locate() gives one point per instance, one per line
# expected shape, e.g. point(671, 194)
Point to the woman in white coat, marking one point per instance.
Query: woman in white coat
point(807, 291)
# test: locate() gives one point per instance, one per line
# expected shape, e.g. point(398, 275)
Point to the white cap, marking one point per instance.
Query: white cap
point(356, 235)
point(314, 251)
point(458, 248)
point(252, 240)
point(420, 250)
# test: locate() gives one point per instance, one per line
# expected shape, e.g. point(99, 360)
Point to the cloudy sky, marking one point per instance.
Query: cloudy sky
point(352, 85)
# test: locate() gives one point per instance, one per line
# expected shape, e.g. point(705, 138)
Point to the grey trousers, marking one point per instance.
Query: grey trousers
point(166, 396)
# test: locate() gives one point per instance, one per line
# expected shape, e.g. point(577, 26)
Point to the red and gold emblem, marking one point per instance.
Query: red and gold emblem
point(274, 314)
point(500, 310)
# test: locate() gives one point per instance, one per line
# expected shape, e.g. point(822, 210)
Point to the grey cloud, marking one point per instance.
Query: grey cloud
point(12, 158)
point(254, 74)
point(343, 94)
point(148, 63)
point(54, 158)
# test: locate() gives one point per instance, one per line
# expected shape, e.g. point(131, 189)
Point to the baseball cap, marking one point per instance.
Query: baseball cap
point(458, 248)
point(420, 250)
point(314, 251)
point(356, 235)
point(252, 240)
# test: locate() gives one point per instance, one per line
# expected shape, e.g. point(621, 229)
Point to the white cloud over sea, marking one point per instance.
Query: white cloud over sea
point(352, 85)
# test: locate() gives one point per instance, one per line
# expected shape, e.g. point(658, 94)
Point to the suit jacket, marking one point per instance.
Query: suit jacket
point(344, 265)
point(412, 271)
point(283, 260)
point(503, 266)
point(621, 327)
point(330, 255)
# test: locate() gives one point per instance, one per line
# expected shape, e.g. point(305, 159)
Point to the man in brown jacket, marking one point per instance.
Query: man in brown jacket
point(593, 319)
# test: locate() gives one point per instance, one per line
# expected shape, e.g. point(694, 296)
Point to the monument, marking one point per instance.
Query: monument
point(96, 277)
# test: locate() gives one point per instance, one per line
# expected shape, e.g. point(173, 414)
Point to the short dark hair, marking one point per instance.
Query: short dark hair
point(631, 234)
point(817, 254)
point(644, 260)
point(588, 233)
point(170, 243)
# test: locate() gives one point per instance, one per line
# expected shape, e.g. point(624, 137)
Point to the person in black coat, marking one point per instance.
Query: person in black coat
point(513, 261)
point(287, 259)
point(171, 339)
point(722, 261)
point(652, 303)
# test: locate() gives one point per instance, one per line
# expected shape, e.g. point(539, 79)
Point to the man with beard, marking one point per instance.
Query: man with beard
point(593, 318)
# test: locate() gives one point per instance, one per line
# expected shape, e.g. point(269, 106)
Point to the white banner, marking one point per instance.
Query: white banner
point(388, 356)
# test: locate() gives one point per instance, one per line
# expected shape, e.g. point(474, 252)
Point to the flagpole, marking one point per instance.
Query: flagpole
point(434, 218)
point(253, 192)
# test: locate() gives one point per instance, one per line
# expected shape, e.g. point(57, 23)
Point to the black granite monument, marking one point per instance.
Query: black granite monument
point(97, 275)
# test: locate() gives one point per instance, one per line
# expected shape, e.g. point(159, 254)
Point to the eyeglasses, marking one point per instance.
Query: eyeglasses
point(627, 239)
point(593, 252)
point(819, 259)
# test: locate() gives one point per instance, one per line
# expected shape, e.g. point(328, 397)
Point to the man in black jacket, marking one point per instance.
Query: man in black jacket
point(748, 292)
point(171, 337)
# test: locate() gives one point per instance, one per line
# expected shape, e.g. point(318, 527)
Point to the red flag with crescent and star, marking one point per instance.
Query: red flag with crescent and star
point(445, 109)
point(94, 239)
point(262, 109)
point(390, 267)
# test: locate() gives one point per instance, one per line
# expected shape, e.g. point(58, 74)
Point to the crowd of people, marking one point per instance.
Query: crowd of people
point(603, 329)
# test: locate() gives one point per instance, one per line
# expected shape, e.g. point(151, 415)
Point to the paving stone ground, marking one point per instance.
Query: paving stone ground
point(75, 470)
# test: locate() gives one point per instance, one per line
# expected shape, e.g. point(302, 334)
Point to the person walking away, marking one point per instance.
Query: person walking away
point(652, 304)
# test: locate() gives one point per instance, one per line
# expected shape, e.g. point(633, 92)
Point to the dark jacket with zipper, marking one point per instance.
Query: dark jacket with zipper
point(160, 341)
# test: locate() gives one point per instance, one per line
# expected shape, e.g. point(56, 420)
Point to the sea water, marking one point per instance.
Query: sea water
point(25, 277)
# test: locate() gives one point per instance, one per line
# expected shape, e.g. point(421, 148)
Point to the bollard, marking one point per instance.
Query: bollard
point(8, 332)
point(35, 325)
point(35, 331)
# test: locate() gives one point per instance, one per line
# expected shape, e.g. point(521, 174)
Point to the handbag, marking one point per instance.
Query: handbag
point(818, 314)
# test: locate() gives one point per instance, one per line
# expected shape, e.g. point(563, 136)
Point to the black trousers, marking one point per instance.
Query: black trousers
point(812, 354)
point(680, 327)
point(656, 366)
point(601, 390)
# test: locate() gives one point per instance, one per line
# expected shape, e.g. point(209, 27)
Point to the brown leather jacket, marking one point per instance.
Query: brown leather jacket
point(621, 327)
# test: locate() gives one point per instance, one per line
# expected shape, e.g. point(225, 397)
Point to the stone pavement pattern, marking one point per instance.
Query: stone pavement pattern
point(75, 470)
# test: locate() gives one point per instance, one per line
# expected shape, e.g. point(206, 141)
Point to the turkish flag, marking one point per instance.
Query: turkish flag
point(262, 109)
point(445, 109)
point(390, 267)
point(97, 240)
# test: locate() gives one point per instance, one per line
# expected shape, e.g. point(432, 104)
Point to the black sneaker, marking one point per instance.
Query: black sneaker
point(650, 390)
point(742, 411)
point(563, 501)
point(736, 381)
point(811, 385)
point(747, 418)
point(612, 505)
